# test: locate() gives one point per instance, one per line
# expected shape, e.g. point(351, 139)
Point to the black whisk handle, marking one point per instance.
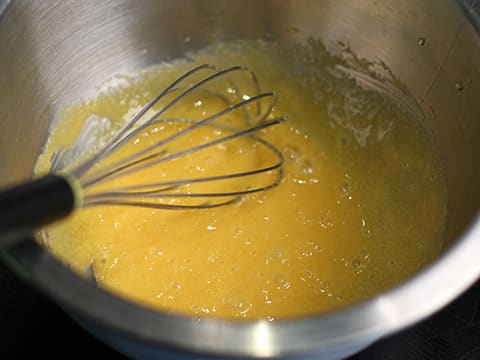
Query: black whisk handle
point(32, 204)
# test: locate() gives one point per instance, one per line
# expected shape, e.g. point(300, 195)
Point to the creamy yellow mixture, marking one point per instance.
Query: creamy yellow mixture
point(361, 206)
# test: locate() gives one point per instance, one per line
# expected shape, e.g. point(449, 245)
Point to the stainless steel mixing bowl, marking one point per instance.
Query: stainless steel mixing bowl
point(53, 52)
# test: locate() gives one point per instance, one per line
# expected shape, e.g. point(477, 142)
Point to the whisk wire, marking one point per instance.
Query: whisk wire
point(123, 136)
point(121, 167)
point(165, 194)
point(174, 184)
point(81, 169)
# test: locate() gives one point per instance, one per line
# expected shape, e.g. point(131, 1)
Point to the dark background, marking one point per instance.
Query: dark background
point(32, 324)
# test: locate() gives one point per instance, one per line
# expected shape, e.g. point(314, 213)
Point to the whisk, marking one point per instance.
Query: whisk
point(83, 175)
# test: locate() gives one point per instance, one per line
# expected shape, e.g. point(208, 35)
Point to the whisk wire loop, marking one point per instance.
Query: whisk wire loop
point(257, 108)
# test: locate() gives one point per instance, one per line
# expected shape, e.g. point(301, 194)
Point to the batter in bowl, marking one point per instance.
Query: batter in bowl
point(361, 207)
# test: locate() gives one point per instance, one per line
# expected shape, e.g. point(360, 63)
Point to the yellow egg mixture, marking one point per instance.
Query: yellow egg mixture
point(361, 206)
